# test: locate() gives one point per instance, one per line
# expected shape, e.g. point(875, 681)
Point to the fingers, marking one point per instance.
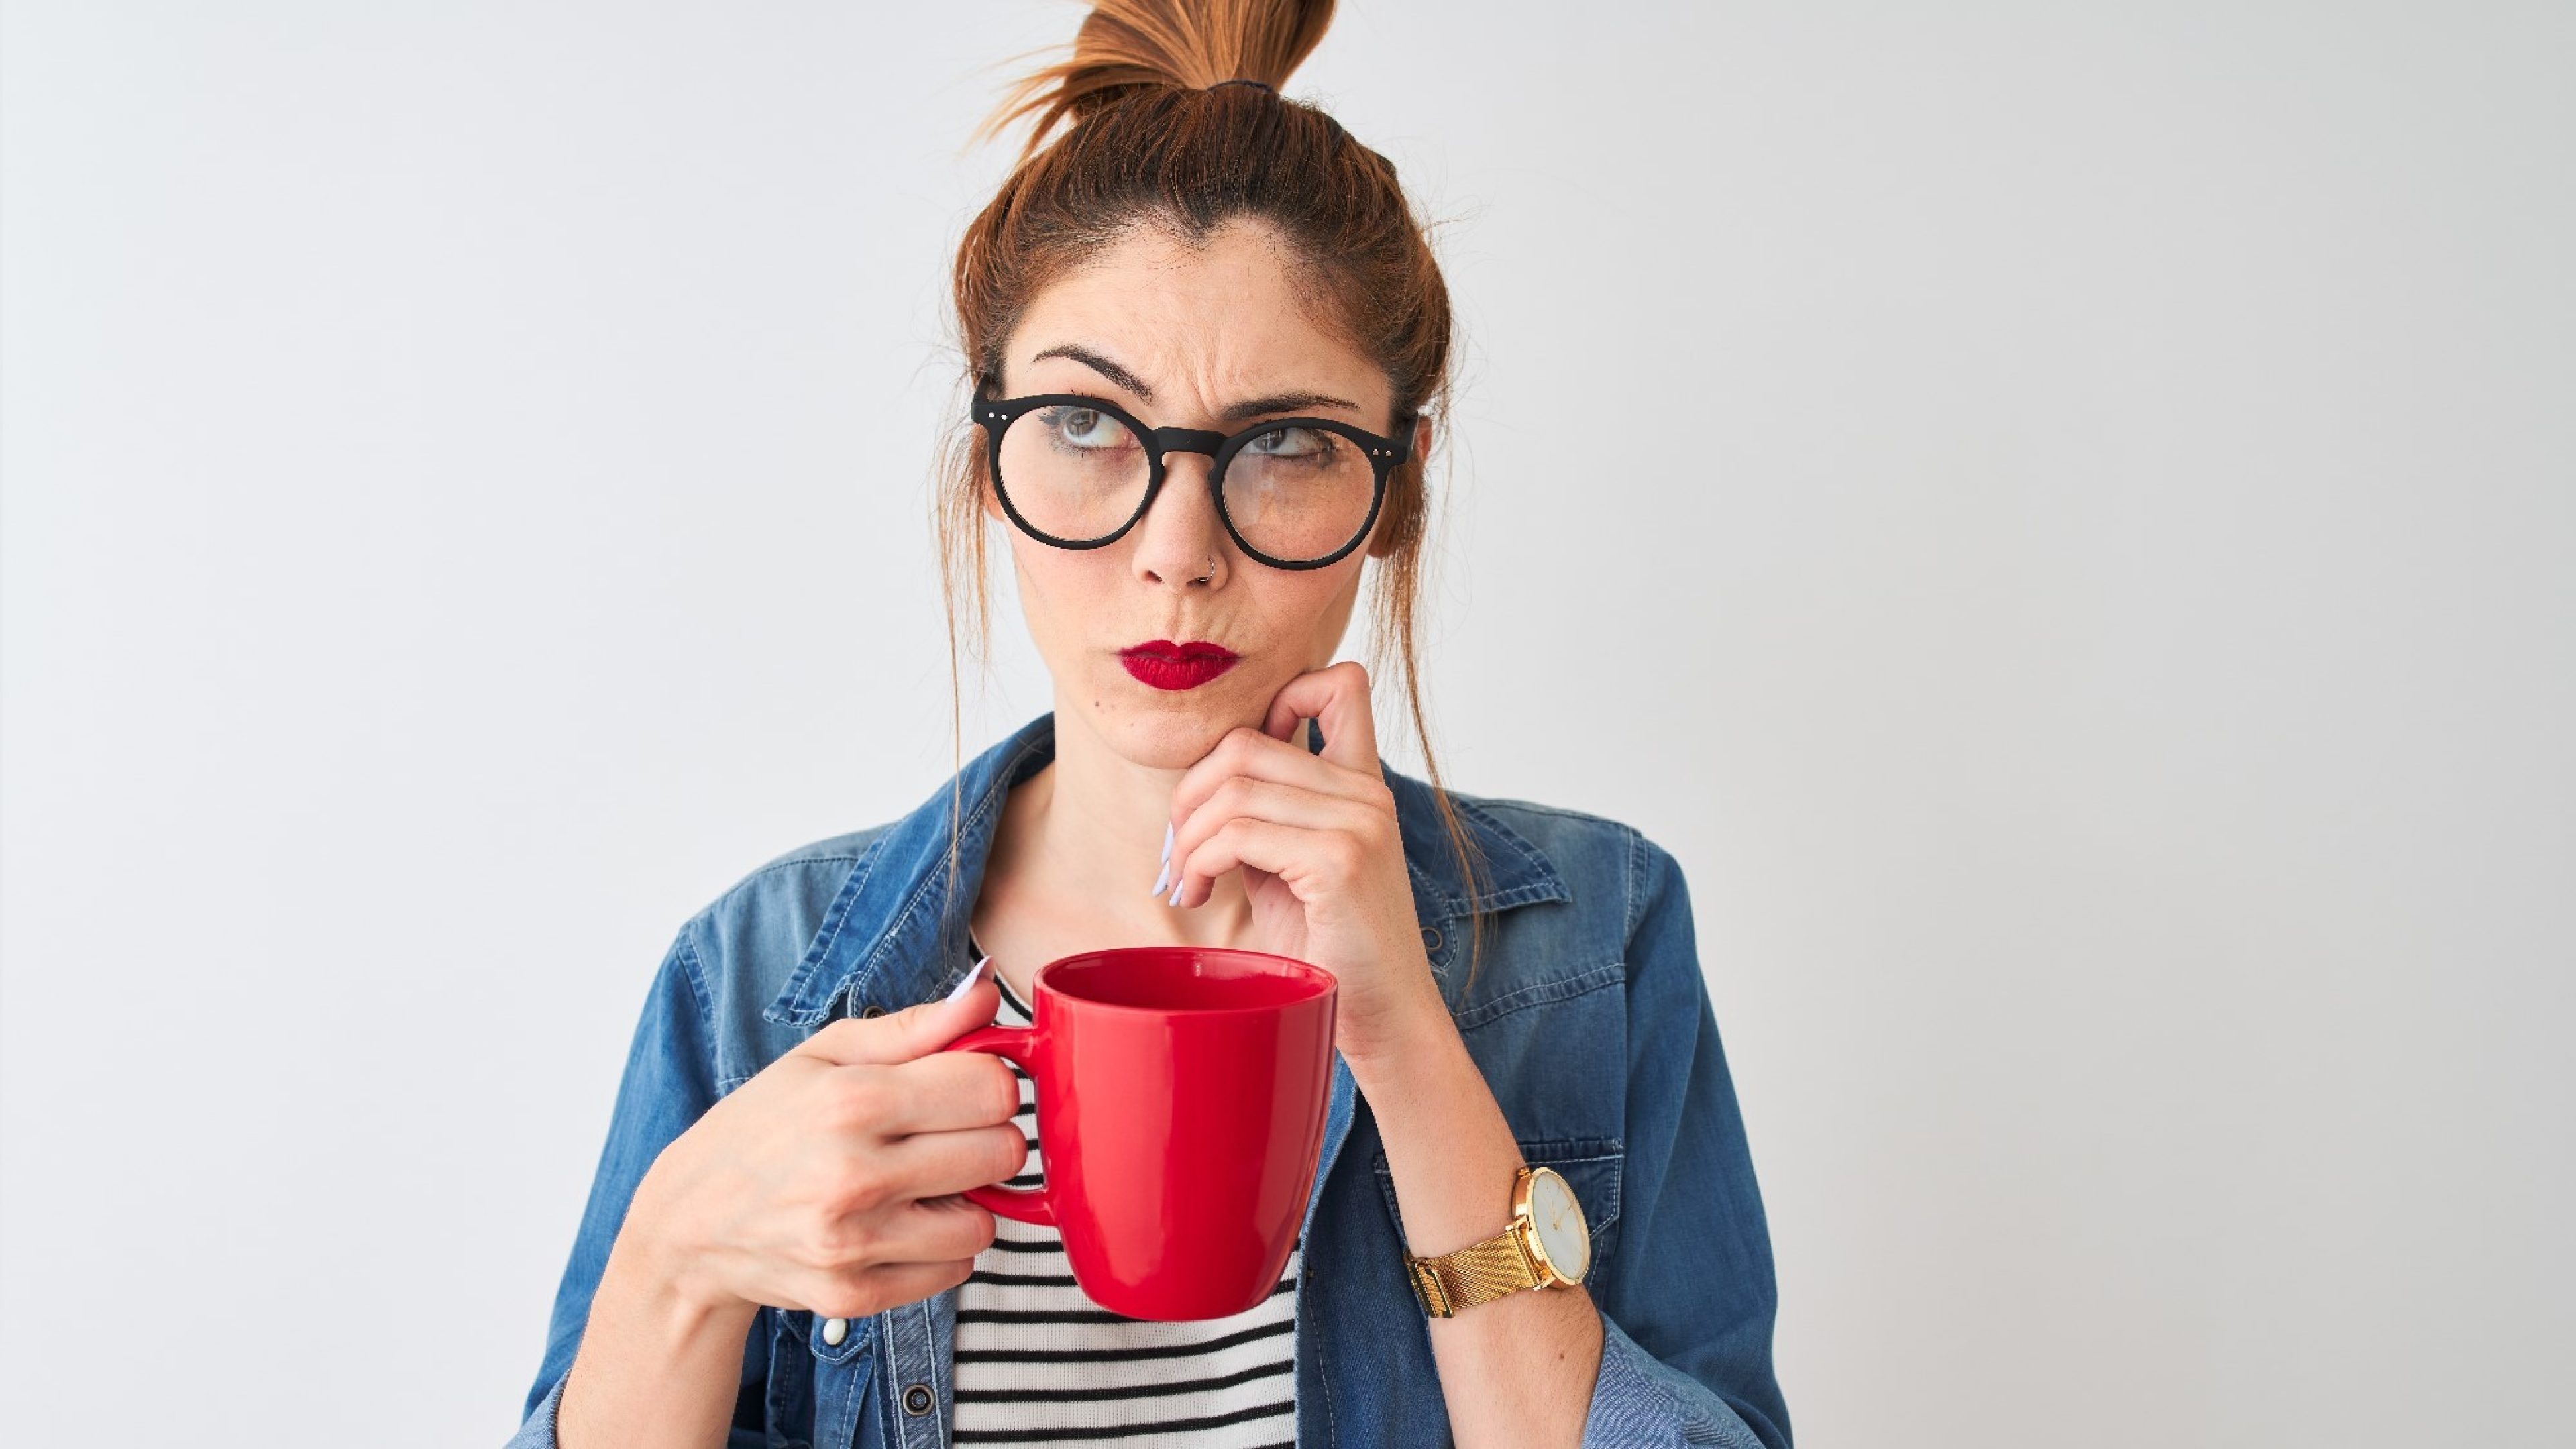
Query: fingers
point(1266, 799)
point(930, 1164)
point(1313, 863)
point(1333, 806)
point(863, 1292)
point(1245, 753)
point(901, 1036)
point(1248, 753)
point(933, 1230)
point(1338, 697)
point(942, 1092)
point(1348, 766)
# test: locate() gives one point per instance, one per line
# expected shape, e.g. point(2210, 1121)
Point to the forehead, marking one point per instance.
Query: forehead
point(1228, 316)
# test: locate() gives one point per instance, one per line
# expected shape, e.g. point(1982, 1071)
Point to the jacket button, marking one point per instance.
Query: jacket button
point(871, 1010)
point(917, 1400)
point(834, 1330)
point(1430, 939)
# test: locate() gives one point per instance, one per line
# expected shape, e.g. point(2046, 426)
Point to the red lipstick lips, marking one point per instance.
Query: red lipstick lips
point(1166, 665)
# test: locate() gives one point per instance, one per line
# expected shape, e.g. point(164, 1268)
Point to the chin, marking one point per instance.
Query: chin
point(1166, 729)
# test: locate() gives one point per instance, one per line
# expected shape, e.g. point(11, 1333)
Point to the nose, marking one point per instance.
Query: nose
point(1180, 542)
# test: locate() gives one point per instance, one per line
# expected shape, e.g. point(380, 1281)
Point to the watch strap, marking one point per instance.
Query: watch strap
point(1477, 1273)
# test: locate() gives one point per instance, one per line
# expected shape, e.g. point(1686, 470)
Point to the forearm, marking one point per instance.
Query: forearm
point(1517, 1370)
point(657, 1367)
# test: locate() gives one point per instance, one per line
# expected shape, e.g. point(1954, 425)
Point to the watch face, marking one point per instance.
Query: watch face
point(1557, 1219)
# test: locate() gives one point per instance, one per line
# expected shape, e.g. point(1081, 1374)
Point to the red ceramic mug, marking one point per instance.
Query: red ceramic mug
point(1180, 1095)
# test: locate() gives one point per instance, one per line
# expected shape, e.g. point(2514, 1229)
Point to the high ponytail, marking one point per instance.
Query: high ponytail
point(1151, 136)
point(1126, 45)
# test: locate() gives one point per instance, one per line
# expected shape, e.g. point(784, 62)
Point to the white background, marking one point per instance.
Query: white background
point(2060, 517)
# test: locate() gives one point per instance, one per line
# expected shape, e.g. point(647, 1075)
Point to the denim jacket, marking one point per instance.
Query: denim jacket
point(1588, 1016)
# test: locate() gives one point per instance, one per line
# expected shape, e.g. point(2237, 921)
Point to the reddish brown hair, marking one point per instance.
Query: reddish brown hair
point(1150, 138)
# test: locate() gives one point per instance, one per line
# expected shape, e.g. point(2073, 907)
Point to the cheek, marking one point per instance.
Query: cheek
point(1058, 588)
point(1313, 605)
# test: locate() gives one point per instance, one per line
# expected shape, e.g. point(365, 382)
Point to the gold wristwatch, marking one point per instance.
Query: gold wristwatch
point(1546, 1243)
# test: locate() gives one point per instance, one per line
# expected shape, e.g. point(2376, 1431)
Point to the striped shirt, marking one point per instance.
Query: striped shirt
point(1037, 1362)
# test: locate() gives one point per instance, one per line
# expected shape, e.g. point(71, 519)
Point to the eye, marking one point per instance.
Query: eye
point(1292, 442)
point(1085, 428)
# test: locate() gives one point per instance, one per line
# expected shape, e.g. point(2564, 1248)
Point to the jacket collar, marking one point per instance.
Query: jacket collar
point(895, 933)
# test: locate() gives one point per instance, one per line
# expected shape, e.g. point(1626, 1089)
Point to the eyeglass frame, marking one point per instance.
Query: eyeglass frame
point(996, 417)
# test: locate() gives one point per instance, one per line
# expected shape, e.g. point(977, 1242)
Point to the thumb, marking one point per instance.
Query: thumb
point(915, 1031)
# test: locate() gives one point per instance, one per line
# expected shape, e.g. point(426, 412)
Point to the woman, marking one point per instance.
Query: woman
point(1197, 279)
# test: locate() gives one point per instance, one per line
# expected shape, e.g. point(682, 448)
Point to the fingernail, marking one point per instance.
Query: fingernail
point(1181, 885)
point(974, 974)
point(1162, 879)
point(1167, 840)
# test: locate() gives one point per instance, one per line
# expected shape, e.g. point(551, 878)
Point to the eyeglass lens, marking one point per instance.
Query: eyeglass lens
point(1292, 493)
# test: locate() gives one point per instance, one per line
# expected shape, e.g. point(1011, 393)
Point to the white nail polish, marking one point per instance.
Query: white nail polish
point(1161, 879)
point(1177, 888)
point(974, 974)
point(1167, 840)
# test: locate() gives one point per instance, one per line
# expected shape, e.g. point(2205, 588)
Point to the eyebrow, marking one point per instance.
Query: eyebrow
point(1249, 408)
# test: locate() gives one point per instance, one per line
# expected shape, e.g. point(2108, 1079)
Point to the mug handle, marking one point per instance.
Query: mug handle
point(1021, 1204)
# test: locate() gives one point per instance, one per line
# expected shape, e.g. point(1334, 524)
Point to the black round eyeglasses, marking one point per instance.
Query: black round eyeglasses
point(1295, 493)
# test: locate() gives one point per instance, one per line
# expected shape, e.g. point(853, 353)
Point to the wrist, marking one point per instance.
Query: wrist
point(1408, 1040)
point(668, 1309)
point(1449, 1148)
point(659, 1360)
point(659, 1270)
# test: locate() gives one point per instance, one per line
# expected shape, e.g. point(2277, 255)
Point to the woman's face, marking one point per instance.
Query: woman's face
point(1186, 337)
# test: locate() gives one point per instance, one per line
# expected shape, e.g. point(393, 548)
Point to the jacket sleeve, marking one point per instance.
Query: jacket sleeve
point(1686, 1329)
point(668, 1083)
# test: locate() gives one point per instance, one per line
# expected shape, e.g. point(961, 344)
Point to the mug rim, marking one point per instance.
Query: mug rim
point(1039, 984)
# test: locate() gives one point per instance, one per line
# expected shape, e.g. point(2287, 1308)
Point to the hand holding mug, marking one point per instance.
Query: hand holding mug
point(829, 1181)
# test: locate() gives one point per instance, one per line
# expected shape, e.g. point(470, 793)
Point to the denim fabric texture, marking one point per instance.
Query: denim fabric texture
point(1588, 1016)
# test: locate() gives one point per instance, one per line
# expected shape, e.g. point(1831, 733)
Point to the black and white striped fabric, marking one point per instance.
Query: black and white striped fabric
point(1037, 1362)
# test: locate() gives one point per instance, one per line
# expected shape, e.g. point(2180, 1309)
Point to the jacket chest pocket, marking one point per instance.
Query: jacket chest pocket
point(818, 1380)
point(1592, 1166)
